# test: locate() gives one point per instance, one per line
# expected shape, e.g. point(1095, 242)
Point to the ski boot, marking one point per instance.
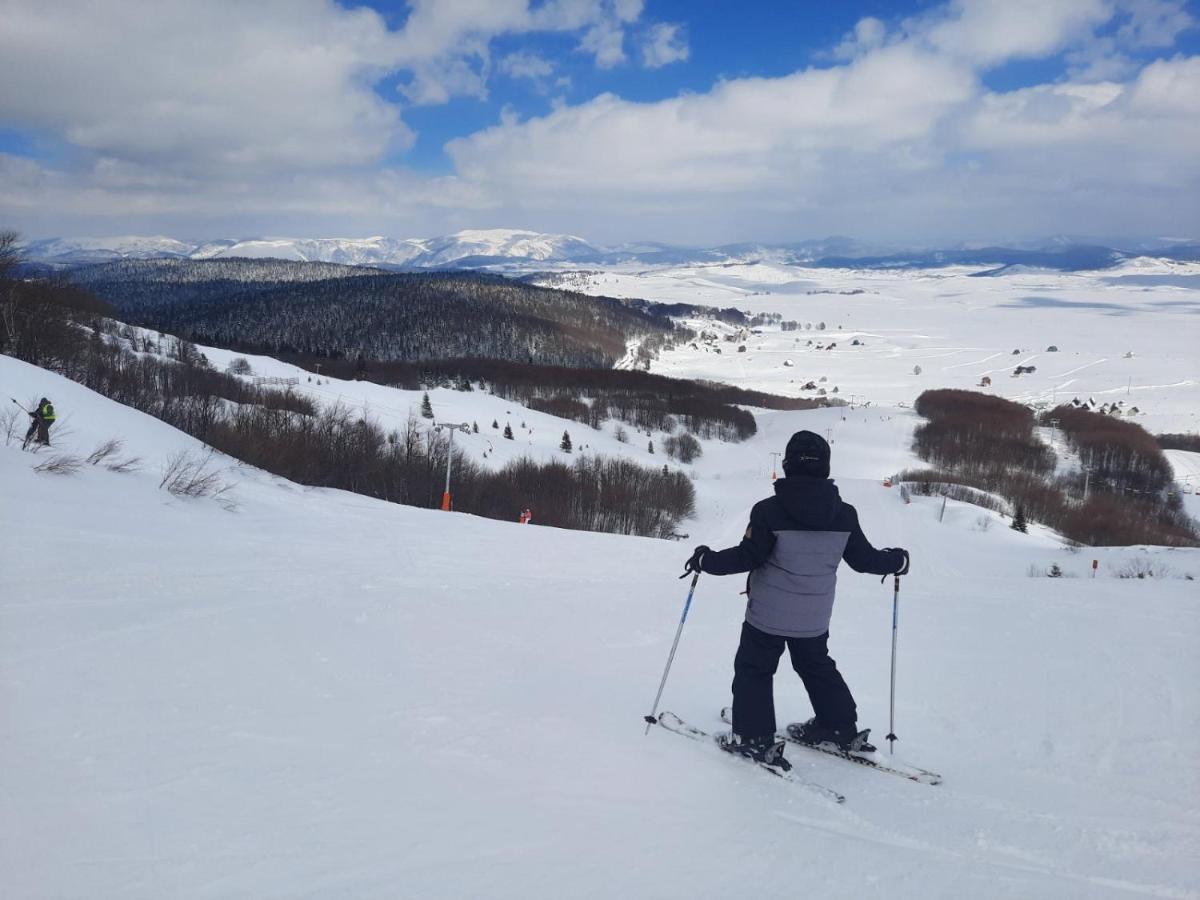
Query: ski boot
point(847, 740)
point(765, 750)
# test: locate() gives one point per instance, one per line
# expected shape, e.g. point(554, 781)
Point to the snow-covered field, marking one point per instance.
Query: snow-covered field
point(317, 694)
point(1127, 335)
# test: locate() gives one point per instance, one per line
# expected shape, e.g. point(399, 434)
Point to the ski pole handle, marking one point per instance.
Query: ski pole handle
point(653, 717)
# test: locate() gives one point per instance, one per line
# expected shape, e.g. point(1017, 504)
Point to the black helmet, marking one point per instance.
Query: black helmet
point(43, 400)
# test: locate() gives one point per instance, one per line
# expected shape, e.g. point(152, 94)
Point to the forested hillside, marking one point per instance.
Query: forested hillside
point(342, 312)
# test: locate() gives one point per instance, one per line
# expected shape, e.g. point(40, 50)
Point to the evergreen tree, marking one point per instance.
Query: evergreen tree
point(508, 431)
point(1019, 522)
point(426, 407)
point(565, 445)
point(495, 424)
point(650, 446)
point(475, 428)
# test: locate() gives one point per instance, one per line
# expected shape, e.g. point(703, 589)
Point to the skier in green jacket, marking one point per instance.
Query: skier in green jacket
point(43, 418)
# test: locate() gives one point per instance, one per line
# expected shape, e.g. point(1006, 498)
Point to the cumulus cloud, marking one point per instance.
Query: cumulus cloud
point(664, 44)
point(178, 90)
point(272, 113)
point(526, 65)
point(868, 35)
point(902, 139)
point(990, 32)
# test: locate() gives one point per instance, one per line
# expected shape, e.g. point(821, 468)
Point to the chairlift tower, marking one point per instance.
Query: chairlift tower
point(451, 427)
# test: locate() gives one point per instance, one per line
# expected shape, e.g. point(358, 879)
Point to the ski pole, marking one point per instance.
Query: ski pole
point(653, 717)
point(14, 400)
point(892, 712)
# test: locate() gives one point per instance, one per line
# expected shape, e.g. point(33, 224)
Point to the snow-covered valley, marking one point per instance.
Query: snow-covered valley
point(305, 692)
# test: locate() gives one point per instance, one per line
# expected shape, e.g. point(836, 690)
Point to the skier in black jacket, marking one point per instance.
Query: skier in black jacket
point(791, 550)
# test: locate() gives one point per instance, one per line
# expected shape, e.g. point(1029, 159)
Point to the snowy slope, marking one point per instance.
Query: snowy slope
point(322, 695)
point(535, 434)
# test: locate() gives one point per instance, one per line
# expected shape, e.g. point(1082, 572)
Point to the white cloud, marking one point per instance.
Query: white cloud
point(664, 44)
point(266, 114)
point(1154, 23)
point(178, 90)
point(902, 140)
point(606, 42)
point(526, 65)
point(990, 32)
point(868, 34)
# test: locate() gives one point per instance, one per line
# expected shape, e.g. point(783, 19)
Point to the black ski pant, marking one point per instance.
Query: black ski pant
point(41, 428)
point(753, 682)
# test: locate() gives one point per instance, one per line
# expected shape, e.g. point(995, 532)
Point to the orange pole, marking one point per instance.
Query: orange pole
point(446, 501)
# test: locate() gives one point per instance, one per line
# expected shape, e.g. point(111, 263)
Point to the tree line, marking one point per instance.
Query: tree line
point(645, 401)
point(987, 444)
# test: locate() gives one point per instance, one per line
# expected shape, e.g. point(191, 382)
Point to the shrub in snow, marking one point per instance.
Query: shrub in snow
point(60, 464)
point(1143, 568)
point(239, 365)
point(689, 448)
point(103, 451)
point(186, 475)
point(8, 425)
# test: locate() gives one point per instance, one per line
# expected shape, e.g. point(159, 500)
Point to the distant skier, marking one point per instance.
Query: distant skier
point(42, 418)
point(791, 549)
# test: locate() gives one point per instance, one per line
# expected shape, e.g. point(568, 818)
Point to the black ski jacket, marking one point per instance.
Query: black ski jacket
point(791, 549)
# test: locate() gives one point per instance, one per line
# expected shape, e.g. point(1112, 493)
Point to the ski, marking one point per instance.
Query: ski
point(672, 722)
point(873, 760)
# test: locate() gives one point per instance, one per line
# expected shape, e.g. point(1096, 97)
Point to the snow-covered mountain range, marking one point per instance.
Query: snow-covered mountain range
point(505, 247)
point(464, 248)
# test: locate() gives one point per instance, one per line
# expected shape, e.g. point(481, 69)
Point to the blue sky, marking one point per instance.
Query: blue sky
point(613, 119)
point(725, 40)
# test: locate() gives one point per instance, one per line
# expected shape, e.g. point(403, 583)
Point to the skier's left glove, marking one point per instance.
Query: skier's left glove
point(903, 568)
point(693, 564)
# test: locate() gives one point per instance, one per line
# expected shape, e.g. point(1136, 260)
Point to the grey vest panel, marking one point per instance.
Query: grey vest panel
point(792, 593)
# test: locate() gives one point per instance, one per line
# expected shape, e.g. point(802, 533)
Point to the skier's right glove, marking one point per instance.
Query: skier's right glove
point(903, 570)
point(693, 564)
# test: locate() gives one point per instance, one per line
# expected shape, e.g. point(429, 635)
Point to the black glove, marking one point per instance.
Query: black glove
point(903, 570)
point(693, 564)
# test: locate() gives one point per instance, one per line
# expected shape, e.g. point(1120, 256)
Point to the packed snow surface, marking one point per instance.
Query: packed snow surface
point(317, 694)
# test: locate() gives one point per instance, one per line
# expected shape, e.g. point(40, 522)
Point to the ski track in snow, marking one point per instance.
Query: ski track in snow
point(317, 694)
